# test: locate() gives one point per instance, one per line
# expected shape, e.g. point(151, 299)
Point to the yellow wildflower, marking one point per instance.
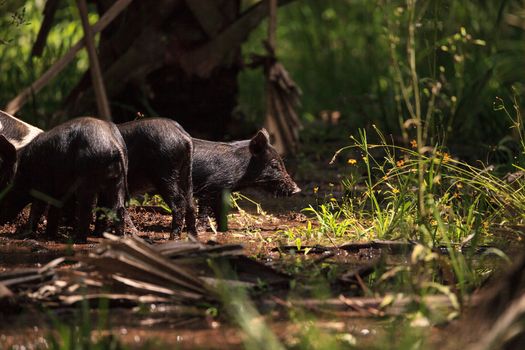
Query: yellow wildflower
point(352, 161)
point(395, 190)
point(316, 189)
point(400, 163)
point(413, 144)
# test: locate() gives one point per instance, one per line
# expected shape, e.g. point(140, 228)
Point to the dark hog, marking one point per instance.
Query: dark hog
point(235, 166)
point(16, 131)
point(70, 164)
point(160, 161)
point(20, 133)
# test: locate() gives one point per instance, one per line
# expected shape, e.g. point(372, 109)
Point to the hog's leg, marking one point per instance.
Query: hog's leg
point(68, 212)
point(117, 200)
point(101, 220)
point(191, 220)
point(186, 188)
point(176, 202)
point(202, 217)
point(83, 214)
point(53, 219)
point(112, 197)
point(216, 207)
point(207, 208)
point(37, 209)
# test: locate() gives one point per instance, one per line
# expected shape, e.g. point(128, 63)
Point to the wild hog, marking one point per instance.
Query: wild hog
point(16, 131)
point(235, 166)
point(160, 160)
point(78, 159)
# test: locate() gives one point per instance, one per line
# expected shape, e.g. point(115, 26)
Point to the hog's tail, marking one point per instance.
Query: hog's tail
point(124, 163)
point(123, 158)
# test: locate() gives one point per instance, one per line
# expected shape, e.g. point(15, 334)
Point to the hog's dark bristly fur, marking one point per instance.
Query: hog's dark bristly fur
point(75, 160)
point(235, 166)
point(160, 161)
point(16, 131)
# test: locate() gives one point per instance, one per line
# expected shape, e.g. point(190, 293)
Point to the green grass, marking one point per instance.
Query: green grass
point(411, 187)
point(350, 56)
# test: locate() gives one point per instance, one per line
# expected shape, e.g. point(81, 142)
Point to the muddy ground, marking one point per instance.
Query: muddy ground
point(259, 233)
point(262, 236)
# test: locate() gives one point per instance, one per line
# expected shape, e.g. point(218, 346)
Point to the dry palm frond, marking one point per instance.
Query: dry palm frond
point(129, 271)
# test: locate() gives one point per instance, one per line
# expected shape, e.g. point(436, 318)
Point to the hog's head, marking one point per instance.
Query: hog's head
point(8, 162)
point(11, 203)
point(267, 168)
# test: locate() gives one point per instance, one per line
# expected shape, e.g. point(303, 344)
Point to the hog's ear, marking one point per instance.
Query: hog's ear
point(260, 142)
point(7, 150)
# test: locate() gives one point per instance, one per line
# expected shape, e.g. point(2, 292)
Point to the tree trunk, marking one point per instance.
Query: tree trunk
point(165, 58)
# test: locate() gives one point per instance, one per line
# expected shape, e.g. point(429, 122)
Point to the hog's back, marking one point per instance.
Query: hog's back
point(158, 149)
point(81, 150)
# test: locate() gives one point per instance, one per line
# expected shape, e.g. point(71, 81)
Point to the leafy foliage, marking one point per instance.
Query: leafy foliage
point(348, 56)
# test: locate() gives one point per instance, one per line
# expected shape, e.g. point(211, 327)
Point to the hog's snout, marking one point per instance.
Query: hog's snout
point(290, 188)
point(296, 189)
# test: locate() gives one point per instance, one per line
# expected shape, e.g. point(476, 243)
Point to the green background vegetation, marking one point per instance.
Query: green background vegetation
point(339, 54)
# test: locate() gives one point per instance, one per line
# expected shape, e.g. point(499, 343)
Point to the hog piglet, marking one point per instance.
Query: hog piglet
point(72, 162)
point(160, 161)
point(235, 166)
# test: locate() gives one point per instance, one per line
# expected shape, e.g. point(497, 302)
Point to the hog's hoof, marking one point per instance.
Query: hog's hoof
point(192, 231)
point(24, 230)
point(204, 225)
point(100, 227)
point(120, 231)
point(203, 228)
point(79, 240)
point(175, 234)
point(24, 234)
point(98, 234)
